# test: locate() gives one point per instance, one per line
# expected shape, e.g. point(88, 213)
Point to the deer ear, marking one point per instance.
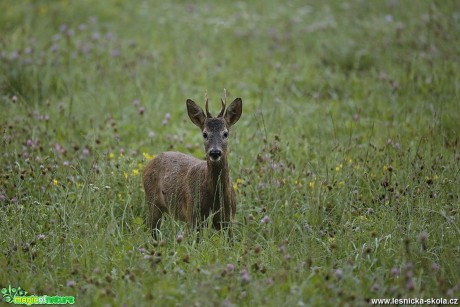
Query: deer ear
point(233, 113)
point(195, 113)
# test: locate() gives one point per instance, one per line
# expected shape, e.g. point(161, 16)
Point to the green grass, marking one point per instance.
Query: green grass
point(348, 146)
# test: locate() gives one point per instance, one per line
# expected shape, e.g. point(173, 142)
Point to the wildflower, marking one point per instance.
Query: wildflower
point(375, 287)
point(435, 267)
point(14, 98)
point(179, 238)
point(135, 172)
point(338, 273)
point(265, 220)
point(115, 53)
point(54, 48)
point(166, 119)
point(230, 267)
point(186, 258)
point(311, 184)
point(141, 110)
point(111, 156)
point(245, 277)
point(338, 168)
point(95, 36)
point(362, 218)
point(423, 236)
point(147, 156)
point(151, 134)
point(410, 285)
point(55, 182)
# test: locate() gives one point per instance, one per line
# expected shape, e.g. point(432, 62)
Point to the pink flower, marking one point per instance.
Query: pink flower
point(230, 267)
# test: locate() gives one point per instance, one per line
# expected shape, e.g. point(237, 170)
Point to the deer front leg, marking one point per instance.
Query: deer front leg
point(156, 207)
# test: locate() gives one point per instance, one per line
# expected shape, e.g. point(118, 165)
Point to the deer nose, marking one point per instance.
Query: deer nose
point(215, 154)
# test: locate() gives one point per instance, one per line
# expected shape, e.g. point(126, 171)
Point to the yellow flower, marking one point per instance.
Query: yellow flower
point(55, 182)
point(312, 184)
point(341, 183)
point(148, 156)
point(42, 10)
point(111, 156)
point(135, 172)
point(338, 168)
point(235, 187)
point(125, 174)
point(362, 218)
point(239, 181)
point(385, 168)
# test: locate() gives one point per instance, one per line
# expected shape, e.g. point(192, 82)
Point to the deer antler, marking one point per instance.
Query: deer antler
point(224, 102)
point(208, 115)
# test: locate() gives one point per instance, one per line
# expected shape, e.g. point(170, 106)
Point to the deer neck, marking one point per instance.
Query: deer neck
point(218, 179)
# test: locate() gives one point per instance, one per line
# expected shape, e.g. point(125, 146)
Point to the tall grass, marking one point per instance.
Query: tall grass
point(345, 161)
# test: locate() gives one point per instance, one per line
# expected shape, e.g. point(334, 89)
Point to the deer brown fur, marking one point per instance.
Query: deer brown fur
point(190, 189)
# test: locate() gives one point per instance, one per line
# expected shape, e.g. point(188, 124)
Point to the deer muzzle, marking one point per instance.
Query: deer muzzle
point(215, 154)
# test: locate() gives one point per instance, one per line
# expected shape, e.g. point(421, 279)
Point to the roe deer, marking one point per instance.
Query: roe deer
point(190, 189)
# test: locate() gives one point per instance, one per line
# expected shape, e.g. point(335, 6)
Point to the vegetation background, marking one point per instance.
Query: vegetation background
point(346, 159)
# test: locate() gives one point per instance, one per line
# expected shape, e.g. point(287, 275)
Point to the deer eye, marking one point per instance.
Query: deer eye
point(205, 135)
point(225, 135)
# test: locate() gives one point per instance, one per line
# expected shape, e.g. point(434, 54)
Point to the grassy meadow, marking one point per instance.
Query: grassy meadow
point(345, 161)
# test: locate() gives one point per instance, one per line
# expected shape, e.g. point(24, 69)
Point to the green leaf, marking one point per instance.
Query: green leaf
point(4, 291)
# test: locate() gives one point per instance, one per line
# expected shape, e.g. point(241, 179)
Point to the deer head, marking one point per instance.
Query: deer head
point(215, 130)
